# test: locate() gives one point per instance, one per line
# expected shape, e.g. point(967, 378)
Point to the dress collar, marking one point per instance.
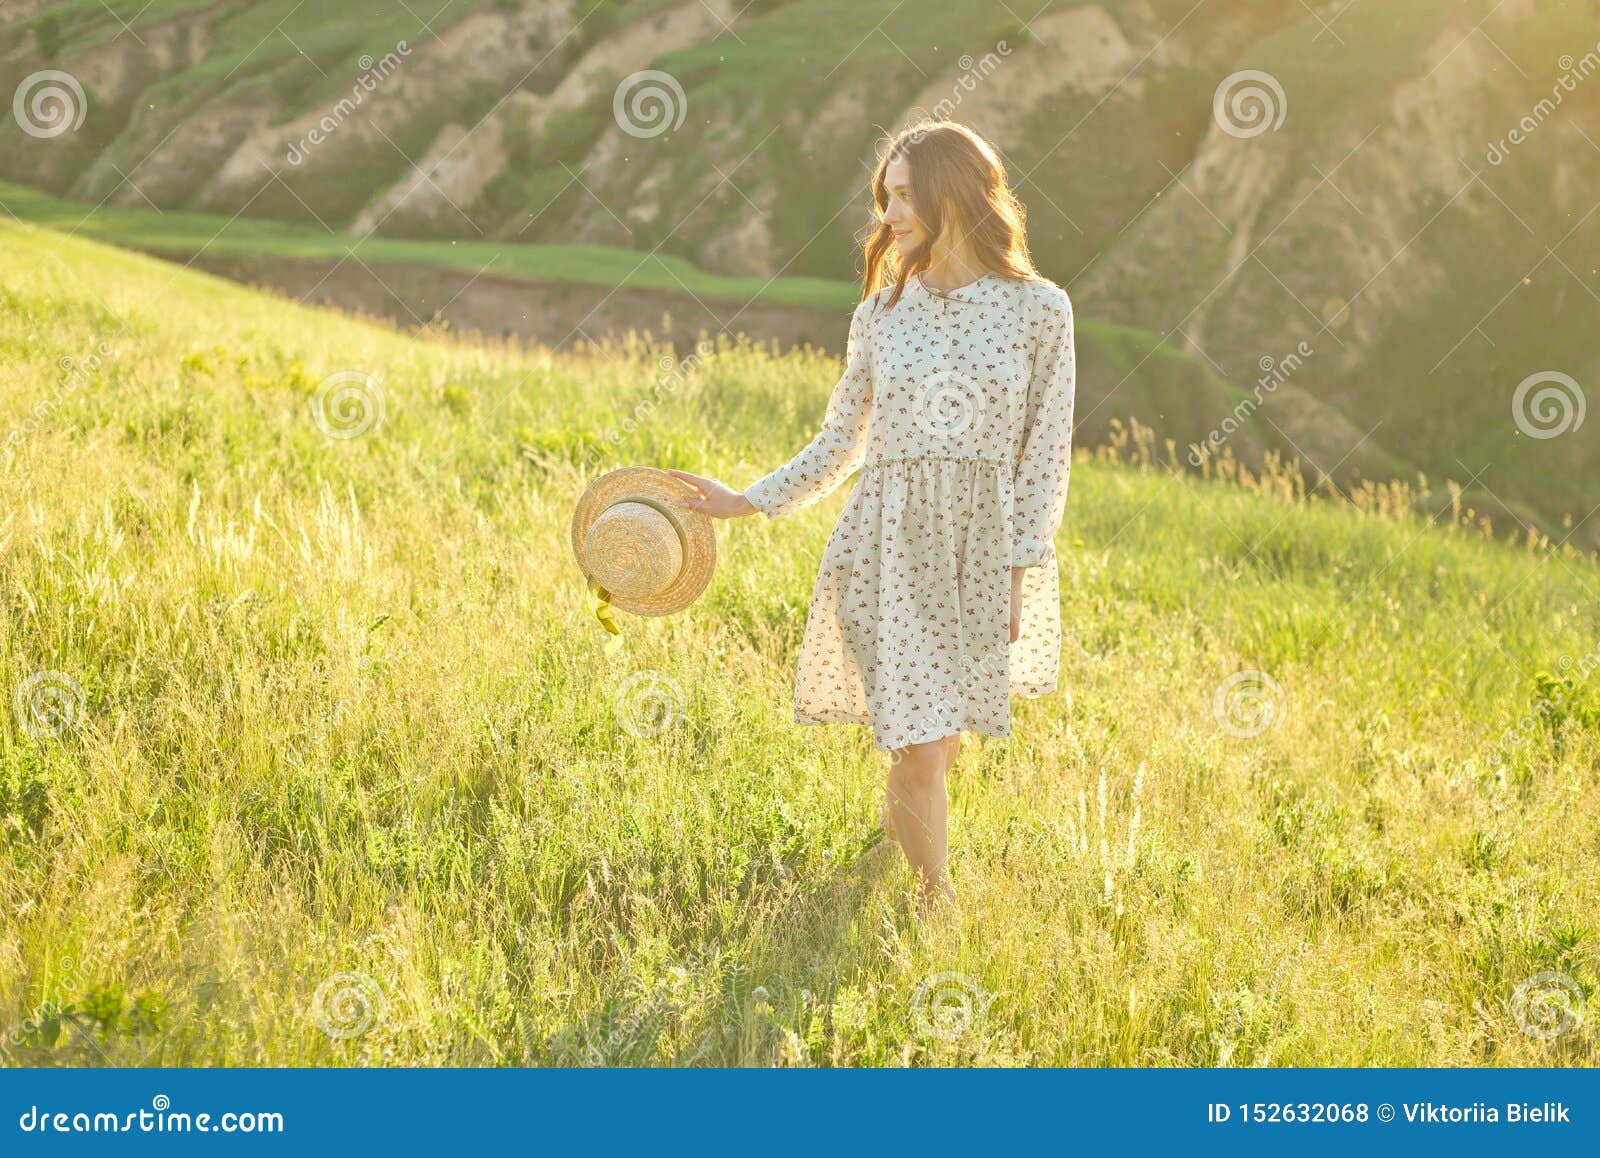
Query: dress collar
point(971, 291)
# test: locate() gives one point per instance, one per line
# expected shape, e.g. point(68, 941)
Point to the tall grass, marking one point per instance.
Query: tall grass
point(356, 778)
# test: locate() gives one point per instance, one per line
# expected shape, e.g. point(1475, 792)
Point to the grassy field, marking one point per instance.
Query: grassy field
point(1175, 391)
point(313, 754)
point(1429, 281)
point(185, 234)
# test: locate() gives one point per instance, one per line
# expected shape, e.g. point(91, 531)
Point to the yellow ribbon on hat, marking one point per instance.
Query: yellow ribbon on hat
point(602, 608)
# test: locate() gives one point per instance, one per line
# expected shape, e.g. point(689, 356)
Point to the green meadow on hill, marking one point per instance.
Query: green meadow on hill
point(314, 753)
point(182, 235)
point(1386, 221)
point(1127, 371)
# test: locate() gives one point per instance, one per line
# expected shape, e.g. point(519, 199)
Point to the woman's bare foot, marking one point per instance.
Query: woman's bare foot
point(936, 898)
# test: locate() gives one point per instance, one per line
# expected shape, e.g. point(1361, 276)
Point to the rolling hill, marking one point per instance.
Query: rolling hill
point(548, 293)
point(1364, 201)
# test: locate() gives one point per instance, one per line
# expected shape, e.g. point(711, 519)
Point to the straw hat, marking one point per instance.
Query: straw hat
point(649, 555)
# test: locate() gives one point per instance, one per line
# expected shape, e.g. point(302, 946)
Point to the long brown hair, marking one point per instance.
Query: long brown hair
point(958, 191)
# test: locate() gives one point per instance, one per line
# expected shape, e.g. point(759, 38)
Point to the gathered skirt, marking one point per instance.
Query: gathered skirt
point(910, 616)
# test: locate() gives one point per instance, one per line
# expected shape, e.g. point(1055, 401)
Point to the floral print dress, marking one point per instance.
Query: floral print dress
point(957, 408)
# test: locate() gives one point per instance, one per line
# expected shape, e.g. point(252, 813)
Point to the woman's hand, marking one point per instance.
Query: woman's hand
point(1016, 601)
point(715, 499)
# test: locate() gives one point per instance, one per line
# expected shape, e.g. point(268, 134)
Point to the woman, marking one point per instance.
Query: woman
point(938, 595)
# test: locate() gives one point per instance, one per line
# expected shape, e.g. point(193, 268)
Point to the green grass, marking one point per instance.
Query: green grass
point(184, 234)
point(782, 114)
point(252, 39)
point(1176, 392)
point(345, 712)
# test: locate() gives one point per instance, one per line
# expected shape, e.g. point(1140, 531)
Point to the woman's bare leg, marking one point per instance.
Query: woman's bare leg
point(886, 819)
point(917, 814)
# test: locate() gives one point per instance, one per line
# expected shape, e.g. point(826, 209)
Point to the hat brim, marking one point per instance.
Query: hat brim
point(657, 488)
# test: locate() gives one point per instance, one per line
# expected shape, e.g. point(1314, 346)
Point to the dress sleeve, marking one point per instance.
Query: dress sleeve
point(1039, 490)
point(838, 448)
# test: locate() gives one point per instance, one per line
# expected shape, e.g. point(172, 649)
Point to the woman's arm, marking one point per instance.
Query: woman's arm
point(1039, 490)
point(827, 460)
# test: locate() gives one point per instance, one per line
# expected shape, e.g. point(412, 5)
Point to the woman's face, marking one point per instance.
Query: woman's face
point(910, 235)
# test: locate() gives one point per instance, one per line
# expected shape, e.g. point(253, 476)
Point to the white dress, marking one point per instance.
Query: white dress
point(958, 409)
